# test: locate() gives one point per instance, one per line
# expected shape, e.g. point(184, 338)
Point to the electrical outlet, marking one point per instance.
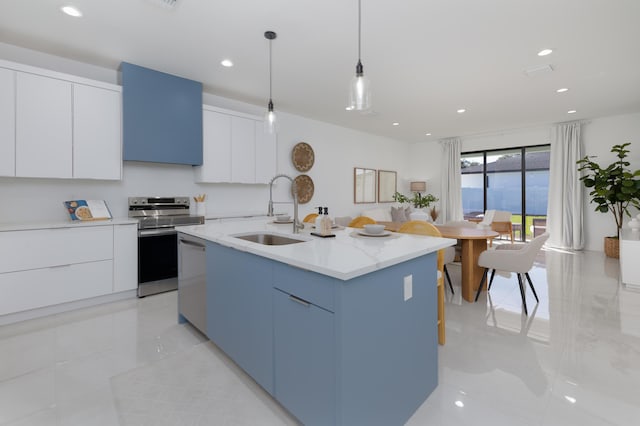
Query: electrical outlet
point(408, 287)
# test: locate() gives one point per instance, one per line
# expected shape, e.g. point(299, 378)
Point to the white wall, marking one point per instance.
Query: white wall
point(598, 136)
point(337, 151)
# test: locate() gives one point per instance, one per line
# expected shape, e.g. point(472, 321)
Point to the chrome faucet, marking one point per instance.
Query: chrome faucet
point(297, 226)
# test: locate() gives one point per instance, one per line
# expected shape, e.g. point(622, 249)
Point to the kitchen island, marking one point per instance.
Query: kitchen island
point(338, 330)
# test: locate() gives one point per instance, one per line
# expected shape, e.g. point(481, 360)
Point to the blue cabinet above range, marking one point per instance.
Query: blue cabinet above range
point(162, 117)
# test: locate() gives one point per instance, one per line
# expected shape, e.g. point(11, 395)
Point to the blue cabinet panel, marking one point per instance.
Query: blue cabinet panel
point(239, 309)
point(316, 288)
point(162, 117)
point(304, 348)
point(387, 347)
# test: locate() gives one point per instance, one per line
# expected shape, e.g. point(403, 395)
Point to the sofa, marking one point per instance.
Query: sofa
point(395, 213)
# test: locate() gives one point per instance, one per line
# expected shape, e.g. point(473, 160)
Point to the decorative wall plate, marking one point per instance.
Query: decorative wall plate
point(305, 188)
point(302, 157)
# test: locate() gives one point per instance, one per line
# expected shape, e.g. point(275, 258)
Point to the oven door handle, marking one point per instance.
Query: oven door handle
point(156, 232)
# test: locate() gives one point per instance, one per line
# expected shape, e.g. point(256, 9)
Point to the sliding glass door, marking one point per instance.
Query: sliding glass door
point(515, 180)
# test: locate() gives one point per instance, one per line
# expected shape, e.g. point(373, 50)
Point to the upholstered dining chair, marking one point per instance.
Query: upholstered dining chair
point(421, 227)
point(361, 221)
point(501, 223)
point(310, 218)
point(512, 258)
point(342, 220)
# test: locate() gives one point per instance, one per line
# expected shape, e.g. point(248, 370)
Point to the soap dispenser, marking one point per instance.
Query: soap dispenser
point(326, 222)
point(318, 221)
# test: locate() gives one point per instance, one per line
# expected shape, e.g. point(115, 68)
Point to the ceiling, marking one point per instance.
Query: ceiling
point(425, 59)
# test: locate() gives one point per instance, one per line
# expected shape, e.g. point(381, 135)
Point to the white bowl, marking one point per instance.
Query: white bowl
point(283, 218)
point(373, 229)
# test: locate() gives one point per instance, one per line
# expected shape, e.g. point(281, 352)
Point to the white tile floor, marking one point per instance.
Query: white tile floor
point(574, 361)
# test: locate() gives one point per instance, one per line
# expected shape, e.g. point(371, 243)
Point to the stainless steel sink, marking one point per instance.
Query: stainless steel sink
point(269, 239)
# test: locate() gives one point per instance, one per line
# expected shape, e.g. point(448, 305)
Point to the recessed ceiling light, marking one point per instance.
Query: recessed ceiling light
point(395, 123)
point(349, 108)
point(562, 90)
point(427, 134)
point(226, 63)
point(71, 11)
point(570, 399)
point(459, 404)
point(571, 111)
point(461, 110)
point(545, 52)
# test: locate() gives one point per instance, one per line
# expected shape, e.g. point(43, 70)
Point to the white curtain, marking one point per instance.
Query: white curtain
point(451, 184)
point(564, 211)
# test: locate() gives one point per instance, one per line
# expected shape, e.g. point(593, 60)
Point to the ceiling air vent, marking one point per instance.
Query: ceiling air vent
point(535, 71)
point(165, 4)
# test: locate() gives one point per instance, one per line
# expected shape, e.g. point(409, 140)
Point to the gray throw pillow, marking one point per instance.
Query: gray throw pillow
point(407, 213)
point(398, 214)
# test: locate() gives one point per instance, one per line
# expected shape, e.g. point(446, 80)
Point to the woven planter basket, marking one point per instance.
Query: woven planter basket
point(612, 247)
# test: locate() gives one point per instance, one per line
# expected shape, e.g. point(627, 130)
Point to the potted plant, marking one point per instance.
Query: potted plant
point(419, 201)
point(422, 201)
point(614, 189)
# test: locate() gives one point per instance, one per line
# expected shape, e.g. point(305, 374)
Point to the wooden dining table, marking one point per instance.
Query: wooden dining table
point(474, 242)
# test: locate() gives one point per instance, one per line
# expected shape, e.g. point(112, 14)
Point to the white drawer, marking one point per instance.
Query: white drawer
point(50, 286)
point(42, 248)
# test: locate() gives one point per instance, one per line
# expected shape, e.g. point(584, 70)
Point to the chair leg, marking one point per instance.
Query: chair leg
point(493, 272)
point(484, 278)
point(526, 274)
point(446, 273)
point(524, 299)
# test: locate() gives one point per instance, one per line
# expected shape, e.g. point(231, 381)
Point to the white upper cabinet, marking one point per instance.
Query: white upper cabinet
point(97, 147)
point(43, 127)
point(265, 154)
point(243, 152)
point(55, 125)
point(7, 123)
point(235, 148)
point(216, 148)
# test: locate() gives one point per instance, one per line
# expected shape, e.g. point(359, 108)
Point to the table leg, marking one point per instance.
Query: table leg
point(471, 272)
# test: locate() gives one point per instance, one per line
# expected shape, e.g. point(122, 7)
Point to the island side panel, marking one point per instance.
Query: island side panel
point(240, 310)
point(387, 347)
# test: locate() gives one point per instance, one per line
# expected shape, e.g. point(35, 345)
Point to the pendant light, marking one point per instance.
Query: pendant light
point(360, 87)
point(270, 119)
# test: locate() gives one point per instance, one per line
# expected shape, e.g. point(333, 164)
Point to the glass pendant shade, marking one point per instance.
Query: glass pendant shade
point(271, 123)
point(360, 86)
point(360, 91)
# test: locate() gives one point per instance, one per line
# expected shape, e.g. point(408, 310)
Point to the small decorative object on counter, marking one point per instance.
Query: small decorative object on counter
point(201, 206)
point(87, 209)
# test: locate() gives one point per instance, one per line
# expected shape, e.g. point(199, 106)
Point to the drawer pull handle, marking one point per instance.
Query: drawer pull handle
point(193, 244)
point(300, 301)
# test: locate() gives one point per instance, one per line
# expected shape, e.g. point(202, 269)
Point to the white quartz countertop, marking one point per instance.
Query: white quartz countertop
point(25, 226)
point(346, 256)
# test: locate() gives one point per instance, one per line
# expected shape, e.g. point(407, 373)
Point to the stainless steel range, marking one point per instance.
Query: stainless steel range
point(157, 240)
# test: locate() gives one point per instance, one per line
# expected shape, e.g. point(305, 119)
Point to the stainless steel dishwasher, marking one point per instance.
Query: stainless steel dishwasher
point(192, 280)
